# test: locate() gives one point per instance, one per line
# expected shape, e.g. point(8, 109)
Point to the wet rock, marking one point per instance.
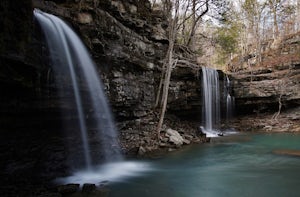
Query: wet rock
point(68, 189)
point(88, 187)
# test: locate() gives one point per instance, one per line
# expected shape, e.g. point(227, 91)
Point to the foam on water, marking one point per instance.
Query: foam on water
point(109, 172)
point(230, 132)
point(218, 133)
point(211, 133)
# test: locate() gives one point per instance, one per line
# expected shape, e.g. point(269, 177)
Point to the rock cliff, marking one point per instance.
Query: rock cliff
point(260, 88)
point(127, 42)
point(268, 94)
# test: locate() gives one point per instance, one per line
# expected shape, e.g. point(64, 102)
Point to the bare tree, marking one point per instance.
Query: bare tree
point(253, 11)
point(197, 15)
point(297, 15)
point(274, 6)
point(168, 64)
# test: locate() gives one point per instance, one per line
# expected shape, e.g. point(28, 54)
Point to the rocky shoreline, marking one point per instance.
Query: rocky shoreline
point(145, 143)
point(287, 121)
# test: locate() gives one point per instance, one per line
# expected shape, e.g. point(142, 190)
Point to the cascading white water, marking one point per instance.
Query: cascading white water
point(211, 101)
point(229, 99)
point(67, 50)
point(228, 107)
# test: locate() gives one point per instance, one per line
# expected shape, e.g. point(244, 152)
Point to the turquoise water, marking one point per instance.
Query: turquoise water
point(242, 165)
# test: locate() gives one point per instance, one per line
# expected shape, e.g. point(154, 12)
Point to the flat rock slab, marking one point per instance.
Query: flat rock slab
point(287, 152)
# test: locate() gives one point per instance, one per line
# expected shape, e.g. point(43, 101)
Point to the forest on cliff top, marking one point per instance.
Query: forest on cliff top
point(220, 33)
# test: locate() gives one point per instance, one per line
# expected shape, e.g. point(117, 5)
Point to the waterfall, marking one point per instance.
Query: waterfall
point(230, 100)
point(211, 101)
point(70, 57)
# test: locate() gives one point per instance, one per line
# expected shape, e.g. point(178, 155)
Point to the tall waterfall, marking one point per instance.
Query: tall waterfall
point(211, 101)
point(70, 57)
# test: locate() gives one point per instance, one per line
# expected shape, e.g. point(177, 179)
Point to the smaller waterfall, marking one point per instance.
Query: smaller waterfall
point(230, 100)
point(211, 101)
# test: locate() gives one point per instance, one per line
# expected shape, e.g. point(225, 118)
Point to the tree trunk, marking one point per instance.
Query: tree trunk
point(169, 66)
point(191, 39)
point(273, 5)
point(165, 89)
point(279, 107)
point(160, 86)
point(275, 23)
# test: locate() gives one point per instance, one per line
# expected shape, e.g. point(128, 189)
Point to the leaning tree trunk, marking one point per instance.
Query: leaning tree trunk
point(164, 97)
point(168, 68)
point(157, 100)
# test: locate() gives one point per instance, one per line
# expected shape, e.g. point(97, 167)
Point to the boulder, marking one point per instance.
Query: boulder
point(174, 137)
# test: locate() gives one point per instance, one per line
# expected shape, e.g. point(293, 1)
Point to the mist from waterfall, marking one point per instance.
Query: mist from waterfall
point(70, 58)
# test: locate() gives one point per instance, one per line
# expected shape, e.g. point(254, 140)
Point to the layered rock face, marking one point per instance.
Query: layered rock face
point(127, 41)
point(261, 89)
